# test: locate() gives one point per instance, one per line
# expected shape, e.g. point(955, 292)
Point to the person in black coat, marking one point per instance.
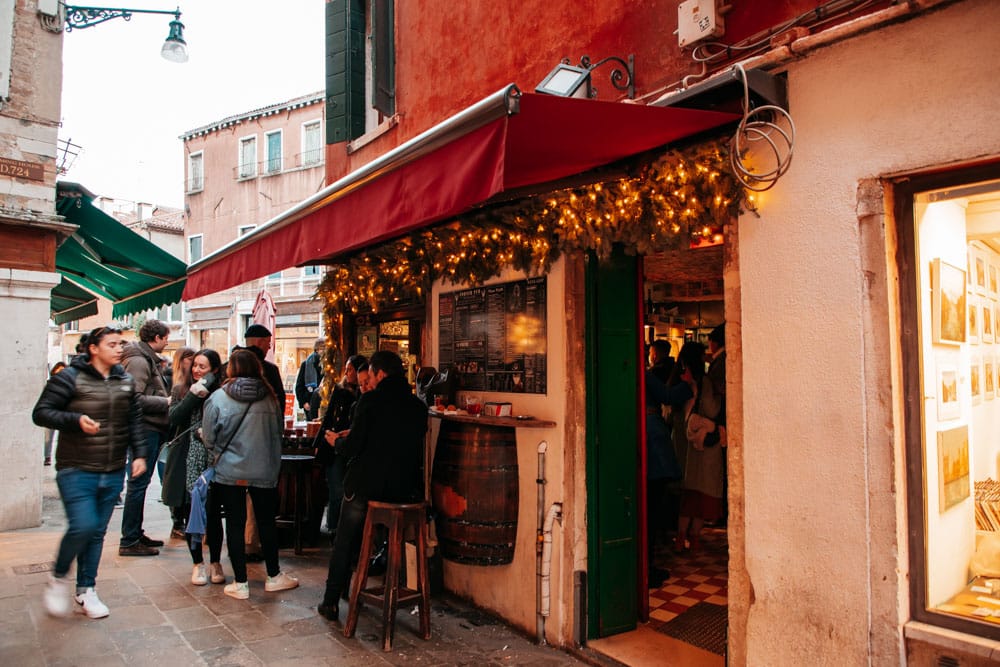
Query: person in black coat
point(385, 454)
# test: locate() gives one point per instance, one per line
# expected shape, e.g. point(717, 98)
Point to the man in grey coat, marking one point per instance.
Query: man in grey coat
point(142, 361)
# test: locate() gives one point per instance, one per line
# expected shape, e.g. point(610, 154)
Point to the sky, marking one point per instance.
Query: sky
point(125, 106)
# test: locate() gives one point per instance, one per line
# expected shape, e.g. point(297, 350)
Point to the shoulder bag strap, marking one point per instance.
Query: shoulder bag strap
point(233, 435)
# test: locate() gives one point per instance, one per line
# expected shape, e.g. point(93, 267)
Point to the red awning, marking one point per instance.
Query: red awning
point(504, 142)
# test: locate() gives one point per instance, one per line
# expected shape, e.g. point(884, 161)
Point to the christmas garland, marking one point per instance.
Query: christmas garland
point(678, 198)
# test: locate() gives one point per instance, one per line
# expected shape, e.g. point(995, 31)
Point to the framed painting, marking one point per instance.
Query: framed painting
point(975, 379)
point(992, 280)
point(986, 334)
point(953, 466)
point(948, 406)
point(973, 309)
point(981, 271)
point(988, 378)
point(948, 294)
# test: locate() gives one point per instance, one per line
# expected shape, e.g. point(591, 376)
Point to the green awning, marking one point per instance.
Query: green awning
point(107, 258)
point(70, 302)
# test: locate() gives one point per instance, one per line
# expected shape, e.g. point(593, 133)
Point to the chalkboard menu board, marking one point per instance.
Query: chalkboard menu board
point(494, 337)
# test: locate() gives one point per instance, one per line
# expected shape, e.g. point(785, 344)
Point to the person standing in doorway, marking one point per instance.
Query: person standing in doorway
point(94, 406)
point(309, 378)
point(142, 361)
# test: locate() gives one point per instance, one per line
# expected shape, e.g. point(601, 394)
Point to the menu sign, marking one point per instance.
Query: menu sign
point(494, 337)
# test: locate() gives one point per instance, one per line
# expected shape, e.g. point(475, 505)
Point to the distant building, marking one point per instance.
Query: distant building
point(242, 171)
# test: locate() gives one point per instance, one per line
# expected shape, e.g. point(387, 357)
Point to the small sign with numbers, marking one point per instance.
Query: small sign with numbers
point(21, 169)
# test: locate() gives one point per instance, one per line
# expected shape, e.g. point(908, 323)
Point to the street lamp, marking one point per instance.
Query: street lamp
point(174, 48)
point(566, 80)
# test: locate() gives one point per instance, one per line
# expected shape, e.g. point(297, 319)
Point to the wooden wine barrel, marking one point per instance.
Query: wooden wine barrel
point(474, 485)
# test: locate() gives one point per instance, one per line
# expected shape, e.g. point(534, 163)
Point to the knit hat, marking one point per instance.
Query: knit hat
point(257, 331)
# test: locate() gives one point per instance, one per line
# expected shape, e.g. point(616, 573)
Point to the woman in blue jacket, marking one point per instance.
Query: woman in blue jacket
point(93, 405)
point(242, 426)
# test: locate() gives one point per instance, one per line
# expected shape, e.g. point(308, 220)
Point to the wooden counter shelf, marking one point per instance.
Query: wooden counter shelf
point(484, 420)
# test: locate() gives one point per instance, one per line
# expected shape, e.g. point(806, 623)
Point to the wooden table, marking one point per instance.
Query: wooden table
point(966, 601)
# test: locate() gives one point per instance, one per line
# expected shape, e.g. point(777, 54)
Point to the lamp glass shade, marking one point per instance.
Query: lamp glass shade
point(175, 48)
point(566, 81)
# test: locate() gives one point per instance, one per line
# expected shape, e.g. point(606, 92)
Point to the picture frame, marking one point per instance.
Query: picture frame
point(996, 318)
point(948, 303)
point(953, 467)
point(976, 379)
point(989, 377)
point(988, 322)
point(948, 404)
point(992, 279)
point(981, 272)
point(974, 312)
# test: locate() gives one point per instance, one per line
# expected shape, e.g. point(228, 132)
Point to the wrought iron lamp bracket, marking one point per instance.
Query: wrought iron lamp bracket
point(78, 18)
point(622, 79)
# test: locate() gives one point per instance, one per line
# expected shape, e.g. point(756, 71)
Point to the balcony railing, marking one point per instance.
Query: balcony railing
point(305, 160)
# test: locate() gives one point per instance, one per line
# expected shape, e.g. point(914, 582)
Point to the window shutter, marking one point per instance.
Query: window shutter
point(384, 74)
point(345, 70)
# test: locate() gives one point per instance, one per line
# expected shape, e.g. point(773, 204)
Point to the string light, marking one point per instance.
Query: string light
point(669, 204)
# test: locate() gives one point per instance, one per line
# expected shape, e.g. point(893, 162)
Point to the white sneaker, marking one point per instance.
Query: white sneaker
point(91, 605)
point(198, 575)
point(280, 582)
point(217, 575)
point(238, 589)
point(56, 597)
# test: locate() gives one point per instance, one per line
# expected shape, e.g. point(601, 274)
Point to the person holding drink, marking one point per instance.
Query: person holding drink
point(94, 406)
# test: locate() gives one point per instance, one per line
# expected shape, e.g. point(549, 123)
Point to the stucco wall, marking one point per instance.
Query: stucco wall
point(24, 306)
point(824, 523)
point(504, 589)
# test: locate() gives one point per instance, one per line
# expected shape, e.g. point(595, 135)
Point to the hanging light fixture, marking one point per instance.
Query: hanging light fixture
point(174, 48)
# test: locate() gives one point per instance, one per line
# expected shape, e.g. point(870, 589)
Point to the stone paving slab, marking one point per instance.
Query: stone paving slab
point(158, 617)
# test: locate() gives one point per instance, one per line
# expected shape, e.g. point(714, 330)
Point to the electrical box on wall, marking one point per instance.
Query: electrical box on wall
point(698, 20)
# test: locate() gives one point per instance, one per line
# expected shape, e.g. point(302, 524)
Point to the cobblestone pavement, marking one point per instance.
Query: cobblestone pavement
point(158, 617)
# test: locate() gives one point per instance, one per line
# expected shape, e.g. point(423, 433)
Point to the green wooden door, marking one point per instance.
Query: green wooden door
point(612, 444)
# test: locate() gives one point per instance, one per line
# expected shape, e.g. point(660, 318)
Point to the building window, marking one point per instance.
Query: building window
point(275, 276)
point(196, 172)
point(248, 157)
point(273, 148)
point(194, 248)
point(246, 229)
point(310, 271)
point(312, 143)
point(949, 277)
point(72, 325)
point(360, 81)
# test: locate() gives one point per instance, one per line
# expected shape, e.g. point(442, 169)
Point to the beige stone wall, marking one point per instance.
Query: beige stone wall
point(823, 577)
point(29, 121)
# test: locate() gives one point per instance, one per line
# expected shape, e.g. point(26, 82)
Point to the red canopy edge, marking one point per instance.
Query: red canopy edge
point(547, 139)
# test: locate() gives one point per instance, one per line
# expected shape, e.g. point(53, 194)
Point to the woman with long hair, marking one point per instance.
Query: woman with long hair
point(93, 405)
point(702, 487)
point(173, 494)
point(187, 414)
point(242, 426)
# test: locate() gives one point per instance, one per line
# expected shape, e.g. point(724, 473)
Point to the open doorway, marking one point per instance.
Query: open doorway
point(678, 299)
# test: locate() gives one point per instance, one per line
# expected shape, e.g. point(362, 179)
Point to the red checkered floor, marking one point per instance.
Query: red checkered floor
point(702, 576)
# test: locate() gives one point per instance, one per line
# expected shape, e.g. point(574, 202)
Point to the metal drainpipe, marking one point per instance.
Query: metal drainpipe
point(540, 482)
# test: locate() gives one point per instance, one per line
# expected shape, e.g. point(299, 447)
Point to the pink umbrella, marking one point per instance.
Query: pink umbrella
point(263, 313)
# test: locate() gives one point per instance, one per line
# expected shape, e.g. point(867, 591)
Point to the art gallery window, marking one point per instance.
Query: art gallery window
point(949, 268)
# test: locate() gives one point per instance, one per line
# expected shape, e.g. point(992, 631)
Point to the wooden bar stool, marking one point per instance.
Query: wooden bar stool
point(398, 519)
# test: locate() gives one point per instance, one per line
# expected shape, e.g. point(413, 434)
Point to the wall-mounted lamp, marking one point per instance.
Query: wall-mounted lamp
point(77, 18)
point(567, 80)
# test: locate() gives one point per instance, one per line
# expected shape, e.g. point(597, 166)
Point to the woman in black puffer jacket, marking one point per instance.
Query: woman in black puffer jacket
point(94, 407)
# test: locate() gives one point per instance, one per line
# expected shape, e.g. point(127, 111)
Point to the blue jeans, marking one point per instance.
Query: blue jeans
point(135, 494)
point(89, 499)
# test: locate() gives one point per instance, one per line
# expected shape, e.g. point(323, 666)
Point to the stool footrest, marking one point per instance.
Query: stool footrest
point(376, 595)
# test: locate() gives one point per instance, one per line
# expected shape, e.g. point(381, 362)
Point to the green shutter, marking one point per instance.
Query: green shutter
point(345, 70)
point(384, 67)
